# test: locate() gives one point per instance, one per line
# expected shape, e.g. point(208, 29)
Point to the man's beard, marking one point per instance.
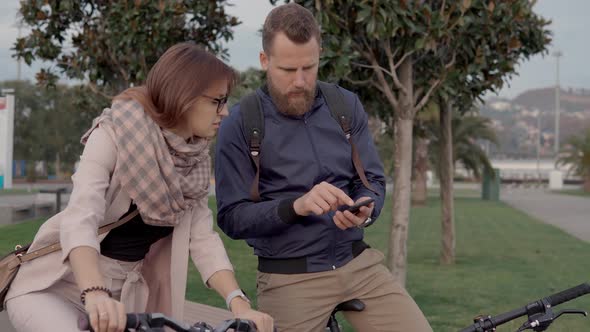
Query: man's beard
point(298, 105)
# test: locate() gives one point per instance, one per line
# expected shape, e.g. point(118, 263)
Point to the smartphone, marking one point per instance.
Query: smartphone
point(356, 207)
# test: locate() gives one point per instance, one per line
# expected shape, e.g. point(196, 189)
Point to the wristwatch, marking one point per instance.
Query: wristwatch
point(366, 223)
point(237, 293)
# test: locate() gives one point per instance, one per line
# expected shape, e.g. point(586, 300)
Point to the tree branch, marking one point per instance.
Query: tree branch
point(393, 101)
point(417, 94)
point(419, 91)
point(363, 82)
point(456, 22)
point(390, 56)
point(385, 88)
point(96, 90)
point(452, 62)
point(425, 98)
point(111, 56)
point(403, 58)
point(362, 65)
point(144, 66)
point(373, 67)
point(371, 56)
point(393, 68)
point(119, 67)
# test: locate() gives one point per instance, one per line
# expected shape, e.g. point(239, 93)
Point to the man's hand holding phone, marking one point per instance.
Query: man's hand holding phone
point(324, 197)
point(321, 199)
point(356, 215)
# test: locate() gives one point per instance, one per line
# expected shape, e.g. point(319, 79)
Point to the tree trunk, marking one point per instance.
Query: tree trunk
point(587, 183)
point(419, 187)
point(402, 169)
point(447, 254)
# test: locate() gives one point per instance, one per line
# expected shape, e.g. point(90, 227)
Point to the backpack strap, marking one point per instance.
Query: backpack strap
point(253, 124)
point(342, 113)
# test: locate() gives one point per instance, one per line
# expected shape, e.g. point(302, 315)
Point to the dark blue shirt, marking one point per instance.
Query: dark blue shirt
point(296, 154)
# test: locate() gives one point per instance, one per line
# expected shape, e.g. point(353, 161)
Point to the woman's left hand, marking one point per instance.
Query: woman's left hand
point(241, 309)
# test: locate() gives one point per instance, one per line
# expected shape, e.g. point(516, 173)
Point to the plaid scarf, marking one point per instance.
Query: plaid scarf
point(162, 173)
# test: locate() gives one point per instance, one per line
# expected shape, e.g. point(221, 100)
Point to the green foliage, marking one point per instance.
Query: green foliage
point(576, 155)
point(113, 44)
point(248, 82)
point(50, 122)
point(466, 47)
point(494, 37)
point(468, 131)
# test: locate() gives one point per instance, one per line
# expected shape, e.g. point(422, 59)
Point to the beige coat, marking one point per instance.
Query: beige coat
point(97, 200)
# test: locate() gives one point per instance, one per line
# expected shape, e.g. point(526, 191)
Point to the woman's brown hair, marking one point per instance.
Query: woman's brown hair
point(181, 75)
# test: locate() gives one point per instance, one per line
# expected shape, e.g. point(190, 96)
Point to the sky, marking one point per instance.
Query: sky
point(570, 26)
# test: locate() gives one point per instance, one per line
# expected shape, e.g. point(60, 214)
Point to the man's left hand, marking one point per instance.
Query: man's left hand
point(346, 219)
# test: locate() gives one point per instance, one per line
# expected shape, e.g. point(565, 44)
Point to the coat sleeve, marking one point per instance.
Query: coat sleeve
point(237, 214)
point(206, 248)
point(86, 209)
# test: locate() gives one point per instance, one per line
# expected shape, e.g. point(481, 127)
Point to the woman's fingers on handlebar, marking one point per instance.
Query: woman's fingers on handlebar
point(93, 317)
point(107, 315)
point(122, 319)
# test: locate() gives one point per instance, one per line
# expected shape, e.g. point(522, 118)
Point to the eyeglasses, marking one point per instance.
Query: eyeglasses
point(220, 102)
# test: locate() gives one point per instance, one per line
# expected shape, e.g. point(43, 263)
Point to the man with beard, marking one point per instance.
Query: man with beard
point(285, 197)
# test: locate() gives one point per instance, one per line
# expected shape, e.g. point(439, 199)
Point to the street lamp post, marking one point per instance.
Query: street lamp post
point(538, 147)
point(557, 55)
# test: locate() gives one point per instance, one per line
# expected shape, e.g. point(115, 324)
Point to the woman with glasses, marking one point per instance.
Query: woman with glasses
point(147, 156)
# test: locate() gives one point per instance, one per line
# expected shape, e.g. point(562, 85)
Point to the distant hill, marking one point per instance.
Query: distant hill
point(544, 99)
point(517, 123)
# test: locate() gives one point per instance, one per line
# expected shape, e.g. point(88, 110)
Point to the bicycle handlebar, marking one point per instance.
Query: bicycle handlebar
point(530, 309)
point(569, 294)
point(135, 320)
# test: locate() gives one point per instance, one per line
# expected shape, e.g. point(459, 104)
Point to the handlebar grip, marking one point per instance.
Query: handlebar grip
point(133, 321)
point(569, 294)
point(237, 324)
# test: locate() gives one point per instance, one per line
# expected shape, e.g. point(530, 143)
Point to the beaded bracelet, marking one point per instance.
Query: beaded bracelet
point(92, 289)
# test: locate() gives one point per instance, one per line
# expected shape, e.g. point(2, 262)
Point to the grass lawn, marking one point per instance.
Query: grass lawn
point(504, 260)
point(458, 192)
point(23, 233)
point(575, 192)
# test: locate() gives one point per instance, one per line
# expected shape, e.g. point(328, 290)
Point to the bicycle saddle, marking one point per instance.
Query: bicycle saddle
point(350, 305)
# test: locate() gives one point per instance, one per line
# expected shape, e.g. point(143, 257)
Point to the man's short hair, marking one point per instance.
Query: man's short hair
point(295, 21)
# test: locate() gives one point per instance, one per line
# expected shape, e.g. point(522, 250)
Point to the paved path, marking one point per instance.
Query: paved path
point(568, 212)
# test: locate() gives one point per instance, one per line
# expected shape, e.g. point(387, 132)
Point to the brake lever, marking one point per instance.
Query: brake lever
point(571, 312)
point(540, 322)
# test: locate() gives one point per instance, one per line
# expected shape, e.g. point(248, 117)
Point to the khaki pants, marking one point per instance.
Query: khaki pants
point(303, 302)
